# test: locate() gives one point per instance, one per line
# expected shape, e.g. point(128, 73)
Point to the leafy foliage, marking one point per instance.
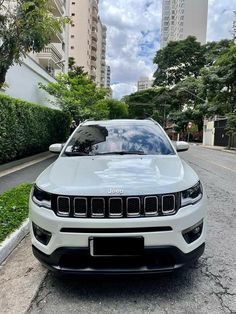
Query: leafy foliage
point(220, 81)
point(27, 128)
point(75, 94)
point(178, 60)
point(231, 124)
point(13, 209)
point(25, 26)
point(110, 109)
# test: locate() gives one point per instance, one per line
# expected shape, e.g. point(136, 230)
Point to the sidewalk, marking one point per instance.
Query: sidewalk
point(218, 148)
point(20, 278)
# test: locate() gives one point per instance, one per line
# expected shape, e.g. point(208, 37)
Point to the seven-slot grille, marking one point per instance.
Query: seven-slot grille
point(116, 207)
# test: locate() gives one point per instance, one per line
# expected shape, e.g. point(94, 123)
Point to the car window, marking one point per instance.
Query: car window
point(119, 139)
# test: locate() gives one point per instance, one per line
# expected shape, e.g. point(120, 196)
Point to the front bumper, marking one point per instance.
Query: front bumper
point(154, 260)
point(165, 248)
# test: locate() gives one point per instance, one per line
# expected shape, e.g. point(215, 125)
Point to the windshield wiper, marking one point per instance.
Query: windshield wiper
point(75, 154)
point(135, 152)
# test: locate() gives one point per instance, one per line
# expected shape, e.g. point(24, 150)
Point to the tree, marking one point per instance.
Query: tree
point(220, 82)
point(141, 104)
point(231, 127)
point(25, 26)
point(178, 60)
point(75, 94)
point(111, 109)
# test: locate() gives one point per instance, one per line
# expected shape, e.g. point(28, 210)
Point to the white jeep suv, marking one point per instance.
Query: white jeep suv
point(118, 200)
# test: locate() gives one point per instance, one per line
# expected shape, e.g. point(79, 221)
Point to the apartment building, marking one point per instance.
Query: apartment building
point(144, 83)
point(54, 57)
point(101, 54)
point(182, 18)
point(83, 41)
point(108, 77)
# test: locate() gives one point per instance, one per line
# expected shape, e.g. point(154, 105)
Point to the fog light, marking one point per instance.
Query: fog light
point(193, 233)
point(43, 236)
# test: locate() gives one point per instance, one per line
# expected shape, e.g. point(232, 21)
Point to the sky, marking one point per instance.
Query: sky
point(133, 37)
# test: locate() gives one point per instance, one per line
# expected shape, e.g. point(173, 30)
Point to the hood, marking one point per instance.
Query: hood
point(117, 175)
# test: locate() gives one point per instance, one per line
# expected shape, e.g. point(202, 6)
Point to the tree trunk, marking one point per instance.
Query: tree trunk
point(229, 142)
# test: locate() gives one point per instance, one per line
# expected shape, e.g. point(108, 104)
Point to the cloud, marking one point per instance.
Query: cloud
point(121, 89)
point(220, 19)
point(133, 36)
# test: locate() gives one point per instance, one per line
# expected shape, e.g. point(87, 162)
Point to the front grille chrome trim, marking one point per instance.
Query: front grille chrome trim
point(86, 202)
point(96, 215)
point(170, 211)
point(109, 208)
point(154, 213)
point(127, 207)
point(60, 213)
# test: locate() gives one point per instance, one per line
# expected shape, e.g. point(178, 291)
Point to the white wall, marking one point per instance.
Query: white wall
point(208, 133)
point(22, 81)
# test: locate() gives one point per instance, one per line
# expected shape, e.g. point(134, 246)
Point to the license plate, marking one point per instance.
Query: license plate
point(122, 246)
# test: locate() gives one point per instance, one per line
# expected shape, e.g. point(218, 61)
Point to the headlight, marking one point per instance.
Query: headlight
point(192, 195)
point(41, 198)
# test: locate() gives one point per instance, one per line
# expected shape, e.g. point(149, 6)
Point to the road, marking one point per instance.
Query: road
point(25, 175)
point(209, 286)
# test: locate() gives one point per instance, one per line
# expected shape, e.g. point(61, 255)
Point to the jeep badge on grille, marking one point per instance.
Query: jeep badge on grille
point(116, 191)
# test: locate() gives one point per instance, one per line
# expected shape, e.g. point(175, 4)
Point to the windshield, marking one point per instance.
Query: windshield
point(118, 139)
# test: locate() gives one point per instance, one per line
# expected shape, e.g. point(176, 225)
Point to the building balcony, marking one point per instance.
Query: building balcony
point(93, 74)
point(93, 63)
point(50, 57)
point(57, 7)
point(95, 16)
point(103, 63)
point(95, 25)
point(57, 38)
point(93, 55)
point(94, 44)
point(95, 5)
point(94, 35)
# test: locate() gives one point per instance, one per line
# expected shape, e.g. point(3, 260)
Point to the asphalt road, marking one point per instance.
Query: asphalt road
point(209, 286)
point(25, 175)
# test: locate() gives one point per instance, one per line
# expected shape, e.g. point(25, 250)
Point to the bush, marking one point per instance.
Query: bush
point(27, 128)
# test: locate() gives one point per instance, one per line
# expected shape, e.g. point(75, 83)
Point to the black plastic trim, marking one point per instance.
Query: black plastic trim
point(115, 230)
point(180, 260)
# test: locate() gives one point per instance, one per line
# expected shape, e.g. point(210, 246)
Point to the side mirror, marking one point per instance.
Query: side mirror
point(55, 148)
point(181, 146)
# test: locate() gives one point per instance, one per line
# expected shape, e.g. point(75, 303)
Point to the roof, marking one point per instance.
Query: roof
point(120, 121)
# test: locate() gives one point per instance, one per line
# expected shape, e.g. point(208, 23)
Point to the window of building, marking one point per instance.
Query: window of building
point(72, 14)
point(73, 3)
point(72, 36)
point(72, 47)
point(73, 25)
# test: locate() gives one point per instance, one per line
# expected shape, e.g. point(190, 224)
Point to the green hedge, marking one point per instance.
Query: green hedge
point(27, 128)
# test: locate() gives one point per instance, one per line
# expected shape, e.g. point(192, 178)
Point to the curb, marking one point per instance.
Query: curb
point(22, 163)
point(18, 162)
point(220, 149)
point(10, 243)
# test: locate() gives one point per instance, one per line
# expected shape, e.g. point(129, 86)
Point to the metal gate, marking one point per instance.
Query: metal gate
point(221, 139)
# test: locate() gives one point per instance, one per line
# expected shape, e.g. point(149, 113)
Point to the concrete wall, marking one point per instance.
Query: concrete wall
point(22, 81)
point(208, 133)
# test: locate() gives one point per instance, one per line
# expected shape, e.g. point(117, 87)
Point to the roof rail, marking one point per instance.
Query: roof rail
point(86, 120)
point(151, 119)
